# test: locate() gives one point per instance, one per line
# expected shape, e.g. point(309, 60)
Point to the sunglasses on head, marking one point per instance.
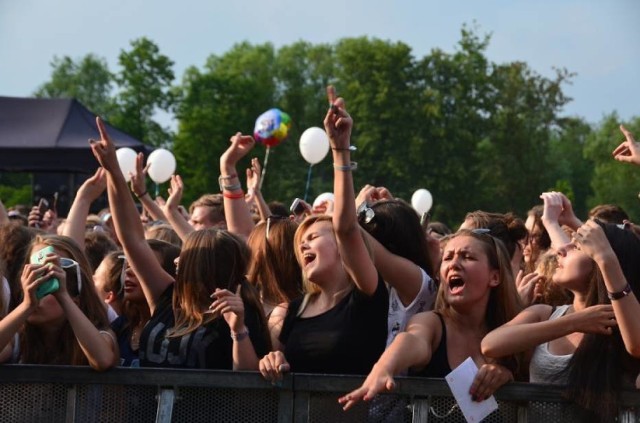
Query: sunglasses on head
point(365, 213)
point(271, 218)
point(67, 263)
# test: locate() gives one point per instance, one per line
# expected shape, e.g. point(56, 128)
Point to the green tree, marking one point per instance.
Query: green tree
point(88, 80)
point(145, 88)
point(224, 98)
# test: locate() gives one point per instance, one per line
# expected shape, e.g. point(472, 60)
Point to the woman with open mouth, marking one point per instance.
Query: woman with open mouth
point(476, 295)
point(340, 325)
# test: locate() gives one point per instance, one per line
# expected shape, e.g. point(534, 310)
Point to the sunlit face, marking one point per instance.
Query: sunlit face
point(48, 311)
point(465, 272)
point(574, 269)
point(200, 218)
point(132, 289)
point(318, 252)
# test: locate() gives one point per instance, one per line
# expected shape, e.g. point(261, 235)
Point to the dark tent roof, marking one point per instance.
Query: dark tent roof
point(51, 135)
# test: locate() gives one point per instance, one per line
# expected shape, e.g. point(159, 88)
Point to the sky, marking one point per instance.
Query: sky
point(597, 40)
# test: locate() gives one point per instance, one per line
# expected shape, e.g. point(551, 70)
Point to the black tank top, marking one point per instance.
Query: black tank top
point(439, 364)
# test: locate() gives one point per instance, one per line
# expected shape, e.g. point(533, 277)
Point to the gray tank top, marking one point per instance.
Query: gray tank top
point(544, 366)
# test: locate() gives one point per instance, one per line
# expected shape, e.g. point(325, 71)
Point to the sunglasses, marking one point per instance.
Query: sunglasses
point(67, 263)
point(365, 213)
point(273, 218)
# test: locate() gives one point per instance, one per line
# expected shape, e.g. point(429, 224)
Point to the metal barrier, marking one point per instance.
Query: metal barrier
point(75, 394)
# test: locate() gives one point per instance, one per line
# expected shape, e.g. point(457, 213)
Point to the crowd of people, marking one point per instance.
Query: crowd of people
point(359, 285)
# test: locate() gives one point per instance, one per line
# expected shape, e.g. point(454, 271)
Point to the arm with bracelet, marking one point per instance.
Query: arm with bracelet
point(592, 240)
point(236, 211)
point(253, 187)
point(139, 189)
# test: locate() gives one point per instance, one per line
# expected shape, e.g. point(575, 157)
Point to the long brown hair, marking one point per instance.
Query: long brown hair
point(504, 302)
point(210, 259)
point(274, 269)
point(67, 351)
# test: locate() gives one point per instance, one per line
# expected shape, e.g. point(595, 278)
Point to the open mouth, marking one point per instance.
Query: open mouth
point(308, 258)
point(456, 284)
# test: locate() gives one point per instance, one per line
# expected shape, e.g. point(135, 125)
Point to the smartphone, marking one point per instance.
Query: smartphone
point(50, 286)
point(43, 206)
point(297, 207)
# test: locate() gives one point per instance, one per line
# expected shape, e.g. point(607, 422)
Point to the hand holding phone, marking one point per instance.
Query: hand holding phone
point(50, 286)
point(298, 207)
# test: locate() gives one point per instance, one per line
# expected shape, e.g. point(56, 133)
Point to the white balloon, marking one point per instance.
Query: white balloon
point(162, 164)
point(314, 145)
point(323, 197)
point(421, 200)
point(127, 161)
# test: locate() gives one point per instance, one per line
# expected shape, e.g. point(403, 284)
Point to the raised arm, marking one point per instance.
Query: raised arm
point(139, 188)
point(236, 211)
point(412, 348)
point(254, 191)
point(353, 251)
point(402, 274)
point(90, 190)
point(553, 208)
point(153, 279)
point(592, 240)
point(172, 209)
point(629, 150)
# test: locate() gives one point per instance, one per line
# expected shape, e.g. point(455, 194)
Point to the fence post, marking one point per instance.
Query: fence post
point(71, 404)
point(165, 405)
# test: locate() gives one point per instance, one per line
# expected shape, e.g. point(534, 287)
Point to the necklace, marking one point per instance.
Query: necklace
point(135, 338)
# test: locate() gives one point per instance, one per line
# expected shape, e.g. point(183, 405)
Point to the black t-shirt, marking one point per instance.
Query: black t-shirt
point(348, 339)
point(208, 347)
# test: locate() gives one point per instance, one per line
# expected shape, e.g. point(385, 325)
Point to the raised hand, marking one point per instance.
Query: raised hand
point(93, 187)
point(552, 206)
point(175, 193)
point(591, 239)
point(527, 286)
point(488, 379)
point(629, 150)
point(253, 178)
point(104, 150)
point(240, 147)
point(138, 179)
point(337, 123)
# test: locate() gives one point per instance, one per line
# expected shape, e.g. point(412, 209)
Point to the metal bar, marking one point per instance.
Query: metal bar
point(72, 394)
point(420, 408)
point(301, 404)
point(165, 405)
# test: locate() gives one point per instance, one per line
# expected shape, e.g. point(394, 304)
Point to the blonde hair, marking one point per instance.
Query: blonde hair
point(308, 286)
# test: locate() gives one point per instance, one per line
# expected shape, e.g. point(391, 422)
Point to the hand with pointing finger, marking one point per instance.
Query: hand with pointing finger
point(629, 150)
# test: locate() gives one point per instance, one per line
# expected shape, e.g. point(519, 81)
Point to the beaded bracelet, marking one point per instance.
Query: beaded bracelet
point(240, 335)
point(141, 195)
point(346, 168)
point(228, 187)
point(620, 294)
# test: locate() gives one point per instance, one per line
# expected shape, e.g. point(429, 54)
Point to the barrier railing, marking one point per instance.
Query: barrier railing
point(54, 394)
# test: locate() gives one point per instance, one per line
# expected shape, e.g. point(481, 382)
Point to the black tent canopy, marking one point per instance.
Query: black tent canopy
point(51, 135)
